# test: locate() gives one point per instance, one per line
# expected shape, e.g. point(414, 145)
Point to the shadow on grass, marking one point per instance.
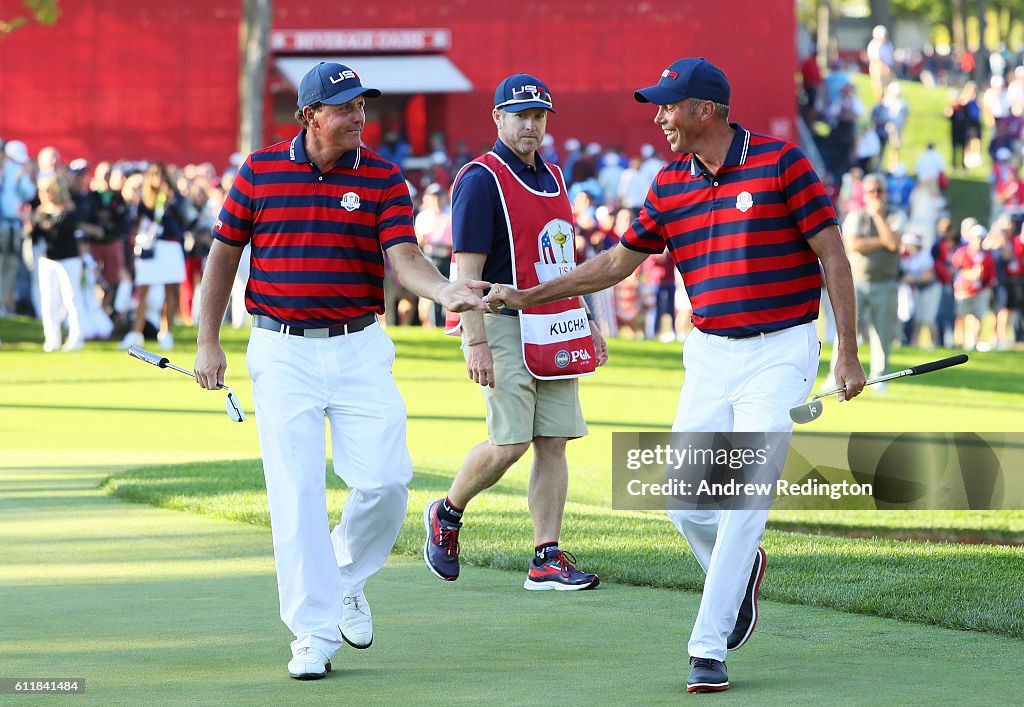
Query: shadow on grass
point(924, 582)
point(916, 534)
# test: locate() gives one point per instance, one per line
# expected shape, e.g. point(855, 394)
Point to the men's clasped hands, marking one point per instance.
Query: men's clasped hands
point(503, 297)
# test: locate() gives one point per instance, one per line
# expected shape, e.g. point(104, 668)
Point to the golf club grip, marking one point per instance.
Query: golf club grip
point(938, 365)
point(148, 356)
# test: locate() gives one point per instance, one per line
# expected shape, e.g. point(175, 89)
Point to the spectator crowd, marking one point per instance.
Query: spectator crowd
point(922, 278)
point(81, 244)
point(116, 250)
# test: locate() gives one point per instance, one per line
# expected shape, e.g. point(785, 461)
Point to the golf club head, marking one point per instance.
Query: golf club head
point(233, 407)
point(802, 414)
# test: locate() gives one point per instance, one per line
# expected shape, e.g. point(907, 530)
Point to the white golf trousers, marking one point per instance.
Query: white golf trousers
point(60, 285)
point(738, 385)
point(296, 383)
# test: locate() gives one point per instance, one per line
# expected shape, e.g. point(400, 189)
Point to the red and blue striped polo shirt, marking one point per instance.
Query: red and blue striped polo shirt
point(739, 238)
point(317, 238)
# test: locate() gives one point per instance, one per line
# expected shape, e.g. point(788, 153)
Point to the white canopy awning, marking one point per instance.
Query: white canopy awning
point(389, 74)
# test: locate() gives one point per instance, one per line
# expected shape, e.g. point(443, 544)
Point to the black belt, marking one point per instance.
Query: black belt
point(756, 333)
point(349, 327)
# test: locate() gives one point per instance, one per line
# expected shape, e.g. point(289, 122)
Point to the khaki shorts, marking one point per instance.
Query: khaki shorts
point(979, 305)
point(520, 407)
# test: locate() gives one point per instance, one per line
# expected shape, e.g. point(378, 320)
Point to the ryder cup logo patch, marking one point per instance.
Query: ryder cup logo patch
point(350, 202)
point(744, 201)
point(557, 243)
point(556, 250)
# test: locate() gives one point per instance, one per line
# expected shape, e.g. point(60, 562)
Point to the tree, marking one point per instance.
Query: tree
point(958, 24)
point(45, 12)
point(881, 13)
point(981, 55)
point(254, 44)
point(932, 12)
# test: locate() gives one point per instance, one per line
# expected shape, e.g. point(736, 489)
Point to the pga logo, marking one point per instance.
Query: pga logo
point(563, 358)
point(343, 76)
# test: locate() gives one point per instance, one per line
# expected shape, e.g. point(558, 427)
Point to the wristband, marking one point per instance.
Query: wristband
point(472, 343)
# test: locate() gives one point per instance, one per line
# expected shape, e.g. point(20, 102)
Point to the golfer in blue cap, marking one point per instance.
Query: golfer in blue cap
point(750, 228)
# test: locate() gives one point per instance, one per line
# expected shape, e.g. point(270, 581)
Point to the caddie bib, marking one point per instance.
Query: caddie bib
point(557, 342)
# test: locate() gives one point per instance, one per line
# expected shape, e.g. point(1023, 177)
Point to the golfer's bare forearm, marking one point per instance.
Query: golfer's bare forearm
point(215, 288)
point(828, 246)
point(599, 273)
point(471, 265)
point(839, 283)
point(416, 273)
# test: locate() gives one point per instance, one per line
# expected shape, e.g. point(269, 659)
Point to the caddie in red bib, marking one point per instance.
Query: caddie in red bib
point(512, 223)
point(557, 341)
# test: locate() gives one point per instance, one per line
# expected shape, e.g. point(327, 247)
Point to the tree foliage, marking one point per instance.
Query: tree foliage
point(45, 12)
point(1004, 17)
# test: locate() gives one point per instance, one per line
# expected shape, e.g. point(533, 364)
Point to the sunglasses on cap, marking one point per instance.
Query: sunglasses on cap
point(526, 95)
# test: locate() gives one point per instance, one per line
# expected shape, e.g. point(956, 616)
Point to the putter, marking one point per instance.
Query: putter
point(231, 406)
point(802, 414)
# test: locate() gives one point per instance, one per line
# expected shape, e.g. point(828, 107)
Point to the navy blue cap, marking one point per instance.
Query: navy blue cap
point(521, 92)
point(687, 78)
point(333, 84)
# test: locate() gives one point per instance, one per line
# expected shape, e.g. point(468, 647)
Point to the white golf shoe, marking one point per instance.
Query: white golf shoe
point(356, 621)
point(132, 338)
point(308, 663)
point(165, 341)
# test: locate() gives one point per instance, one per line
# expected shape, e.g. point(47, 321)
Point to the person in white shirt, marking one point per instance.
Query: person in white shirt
point(897, 112)
point(1015, 91)
point(633, 187)
point(930, 165)
point(880, 61)
point(919, 288)
point(651, 164)
point(995, 101)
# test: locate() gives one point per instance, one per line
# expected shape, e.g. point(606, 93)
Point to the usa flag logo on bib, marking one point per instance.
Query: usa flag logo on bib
point(556, 245)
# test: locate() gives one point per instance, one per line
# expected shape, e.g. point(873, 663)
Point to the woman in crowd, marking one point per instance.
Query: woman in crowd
point(947, 241)
point(52, 225)
point(159, 253)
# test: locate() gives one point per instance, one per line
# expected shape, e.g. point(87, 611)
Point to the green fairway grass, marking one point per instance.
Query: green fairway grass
point(101, 399)
point(167, 608)
point(921, 582)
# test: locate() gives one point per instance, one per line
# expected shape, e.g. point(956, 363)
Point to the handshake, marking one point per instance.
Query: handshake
point(467, 295)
